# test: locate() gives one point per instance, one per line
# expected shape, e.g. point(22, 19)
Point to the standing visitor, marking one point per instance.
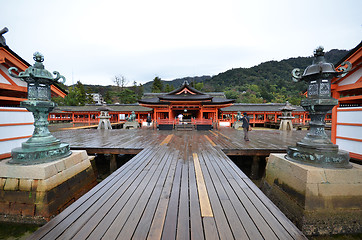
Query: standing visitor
point(149, 120)
point(180, 117)
point(245, 126)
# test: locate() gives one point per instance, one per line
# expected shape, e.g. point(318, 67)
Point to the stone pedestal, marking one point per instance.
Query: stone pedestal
point(238, 125)
point(35, 193)
point(286, 125)
point(130, 125)
point(104, 122)
point(318, 200)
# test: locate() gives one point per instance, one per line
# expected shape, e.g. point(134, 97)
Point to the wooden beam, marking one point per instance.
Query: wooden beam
point(205, 205)
point(15, 99)
point(252, 152)
point(15, 61)
point(352, 86)
point(167, 139)
point(109, 150)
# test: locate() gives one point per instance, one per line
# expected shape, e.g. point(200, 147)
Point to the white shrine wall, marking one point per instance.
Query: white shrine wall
point(16, 126)
point(349, 129)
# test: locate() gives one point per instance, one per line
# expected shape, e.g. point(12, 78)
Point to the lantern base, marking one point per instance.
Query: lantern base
point(29, 156)
point(328, 157)
point(130, 125)
point(320, 201)
point(35, 193)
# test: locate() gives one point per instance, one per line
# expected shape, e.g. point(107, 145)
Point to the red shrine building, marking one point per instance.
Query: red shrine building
point(191, 104)
point(347, 115)
point(13, 90)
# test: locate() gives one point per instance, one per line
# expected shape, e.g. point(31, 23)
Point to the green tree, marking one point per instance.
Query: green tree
point(231, 94)
point(157, 85)
point(58, 100)
point(89, 97)
point(81, 94)
point(71, 99)
point(108, 97)
point(199, 86)
point(167, 88)
point(138, 90)
point(127, 96)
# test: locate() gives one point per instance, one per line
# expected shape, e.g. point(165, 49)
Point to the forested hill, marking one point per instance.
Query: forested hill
point(177, 82)
point(267, 82)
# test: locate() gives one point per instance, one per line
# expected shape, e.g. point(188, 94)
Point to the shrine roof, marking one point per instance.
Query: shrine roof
point(186, 97)
point(16, 56)
point(217, 100)
point(258, 107)
point(156, 95)
point(95, 108)
point(185, 93)
point(350, 53)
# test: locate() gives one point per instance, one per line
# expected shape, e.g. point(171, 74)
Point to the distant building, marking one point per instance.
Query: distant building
point(97, 98)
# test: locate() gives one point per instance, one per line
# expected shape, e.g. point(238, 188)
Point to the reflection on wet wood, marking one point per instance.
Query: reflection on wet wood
point(180, 185)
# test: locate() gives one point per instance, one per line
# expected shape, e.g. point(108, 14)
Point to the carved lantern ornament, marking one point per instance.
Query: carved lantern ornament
point(316, 148)
point(42, 146)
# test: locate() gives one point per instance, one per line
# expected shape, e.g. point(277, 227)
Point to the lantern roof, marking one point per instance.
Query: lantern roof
point(319, 66)
point(287, 107)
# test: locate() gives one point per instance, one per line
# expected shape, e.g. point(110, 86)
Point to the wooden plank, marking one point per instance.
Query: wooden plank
point(62, 221)
point(144, 224)
point(246, 221)
point(257, 215)
point(149, 195)
point(287, 224)
point(205, 206)
point(208, 139)
point(222, 224)
point(210, 229)
point(92, 217)
point(134, 218)
point(161, 210)
point(167, 139)
point(224, 190)
point(183, 228)
point(252, 152)
point(113, 223)
point(170, 222)
point(97, 150)
point(196, 228)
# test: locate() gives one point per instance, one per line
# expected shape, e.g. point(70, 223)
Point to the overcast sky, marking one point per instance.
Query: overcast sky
point(92, 41)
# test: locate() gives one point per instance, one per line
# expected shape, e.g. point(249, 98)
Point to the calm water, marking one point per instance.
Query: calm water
point(12, 231)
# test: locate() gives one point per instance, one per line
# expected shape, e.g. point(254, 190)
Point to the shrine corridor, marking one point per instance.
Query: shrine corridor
point(180, 185)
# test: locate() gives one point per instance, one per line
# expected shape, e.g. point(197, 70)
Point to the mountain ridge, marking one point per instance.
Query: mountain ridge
point(269, 81)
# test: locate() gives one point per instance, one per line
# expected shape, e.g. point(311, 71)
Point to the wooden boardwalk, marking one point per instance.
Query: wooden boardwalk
point(181, 185)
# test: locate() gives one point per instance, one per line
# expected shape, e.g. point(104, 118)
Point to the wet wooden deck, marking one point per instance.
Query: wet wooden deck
point(181, 185)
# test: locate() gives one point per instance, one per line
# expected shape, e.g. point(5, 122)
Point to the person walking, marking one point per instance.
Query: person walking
point(245, 126)
point(180, 117)
point(149, 120)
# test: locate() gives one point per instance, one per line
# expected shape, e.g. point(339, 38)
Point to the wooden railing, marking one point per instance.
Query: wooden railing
point(166, 121)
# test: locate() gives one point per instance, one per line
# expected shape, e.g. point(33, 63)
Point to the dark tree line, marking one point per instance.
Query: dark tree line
point(266, 82)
